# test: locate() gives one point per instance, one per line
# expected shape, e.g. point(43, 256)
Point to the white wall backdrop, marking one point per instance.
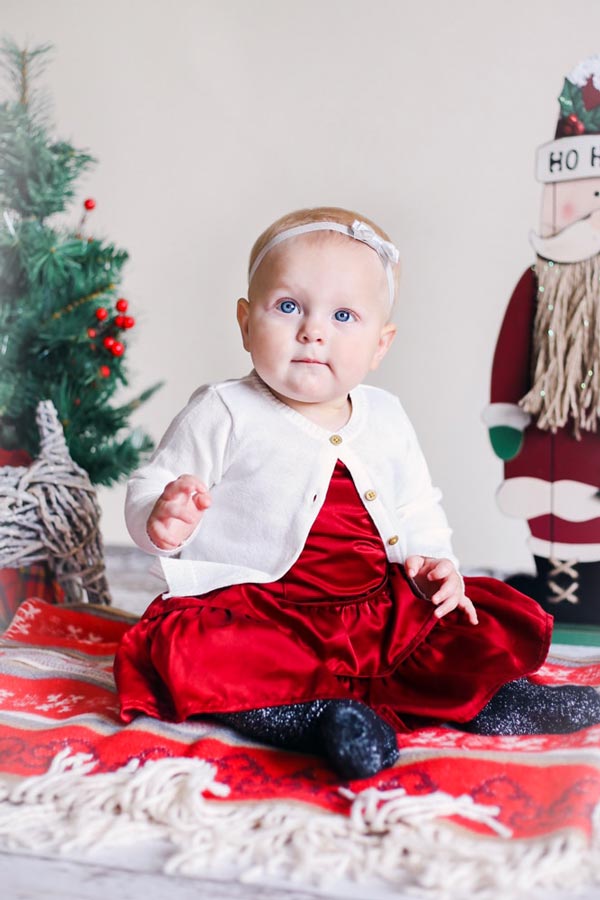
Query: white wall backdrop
point(210, 119)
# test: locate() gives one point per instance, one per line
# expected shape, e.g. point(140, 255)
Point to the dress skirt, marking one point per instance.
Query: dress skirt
point(343, 622)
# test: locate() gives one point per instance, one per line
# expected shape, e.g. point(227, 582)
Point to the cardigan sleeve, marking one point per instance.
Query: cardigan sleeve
point(419, 510)
point(195, 443)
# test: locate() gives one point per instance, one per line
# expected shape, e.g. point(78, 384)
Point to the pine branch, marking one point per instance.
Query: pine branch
point(36, 173)
point(22, 67)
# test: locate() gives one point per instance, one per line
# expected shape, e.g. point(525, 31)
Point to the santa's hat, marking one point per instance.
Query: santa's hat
point(575, 151)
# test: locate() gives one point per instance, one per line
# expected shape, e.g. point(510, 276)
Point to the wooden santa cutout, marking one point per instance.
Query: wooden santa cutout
point(545, 393)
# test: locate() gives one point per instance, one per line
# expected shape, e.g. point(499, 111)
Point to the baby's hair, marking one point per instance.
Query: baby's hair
point(316, 214)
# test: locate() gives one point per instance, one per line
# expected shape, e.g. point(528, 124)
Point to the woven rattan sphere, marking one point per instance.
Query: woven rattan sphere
point(49, 513)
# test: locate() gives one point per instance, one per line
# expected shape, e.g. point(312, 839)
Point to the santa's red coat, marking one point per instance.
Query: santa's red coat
point(554, 479)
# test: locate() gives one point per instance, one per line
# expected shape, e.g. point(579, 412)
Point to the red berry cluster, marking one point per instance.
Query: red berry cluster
point(108, 334)
point(569, 126)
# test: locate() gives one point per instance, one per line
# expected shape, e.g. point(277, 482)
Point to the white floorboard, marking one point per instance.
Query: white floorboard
point(37, 878)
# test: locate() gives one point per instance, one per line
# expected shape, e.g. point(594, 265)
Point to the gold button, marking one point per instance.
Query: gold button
point(335, 439)
point(370, 495)
point(393, 540)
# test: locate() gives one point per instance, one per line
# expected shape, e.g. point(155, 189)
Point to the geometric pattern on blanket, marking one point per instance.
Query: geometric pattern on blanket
point(57, 696)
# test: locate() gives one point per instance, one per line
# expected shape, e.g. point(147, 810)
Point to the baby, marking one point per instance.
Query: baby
point(314, 601)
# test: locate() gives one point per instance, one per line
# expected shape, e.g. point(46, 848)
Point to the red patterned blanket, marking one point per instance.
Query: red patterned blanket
point(487, 812)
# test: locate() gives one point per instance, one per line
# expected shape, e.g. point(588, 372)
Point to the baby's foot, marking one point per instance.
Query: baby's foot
point(523, 707)
point(357, 742)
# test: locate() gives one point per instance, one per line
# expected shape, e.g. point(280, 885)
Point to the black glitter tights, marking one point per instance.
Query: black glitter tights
point(355, 740)
point(522, 707)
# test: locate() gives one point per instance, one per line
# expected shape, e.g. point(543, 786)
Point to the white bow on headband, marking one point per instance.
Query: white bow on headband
point(360, 231)
point(363, 232)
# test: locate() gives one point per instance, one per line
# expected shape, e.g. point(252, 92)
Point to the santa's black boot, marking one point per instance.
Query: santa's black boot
point(530, 585)
point(569, 590)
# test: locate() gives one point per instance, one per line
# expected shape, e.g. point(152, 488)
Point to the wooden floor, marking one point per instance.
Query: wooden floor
point(136, 874)
point(35, 878)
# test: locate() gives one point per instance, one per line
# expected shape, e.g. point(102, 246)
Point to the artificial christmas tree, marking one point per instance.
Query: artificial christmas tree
point(62, 324)
point(62, 328)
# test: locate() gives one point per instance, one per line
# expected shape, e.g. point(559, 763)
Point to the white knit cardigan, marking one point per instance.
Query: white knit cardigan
point(268, 468)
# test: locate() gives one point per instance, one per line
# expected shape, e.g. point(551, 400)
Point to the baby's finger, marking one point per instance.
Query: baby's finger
point(468, 607)
point(446, 607)
point(176, 489)
point(201, 499)
point(448, 589)
point(185, 485)
point(413, 565)
point(176, 509)
point(190, 484)
point(441, 570)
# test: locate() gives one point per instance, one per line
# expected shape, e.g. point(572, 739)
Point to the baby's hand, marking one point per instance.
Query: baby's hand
point(177, 512)
point(441, 583)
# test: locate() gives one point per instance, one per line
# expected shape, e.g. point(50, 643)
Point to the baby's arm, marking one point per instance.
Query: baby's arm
point(177, 512)
point(167, 497)
point(430, 560)
point(420, 514)
point(441, 583)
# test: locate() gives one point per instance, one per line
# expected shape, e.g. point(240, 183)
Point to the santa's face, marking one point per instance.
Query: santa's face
point(567, 202)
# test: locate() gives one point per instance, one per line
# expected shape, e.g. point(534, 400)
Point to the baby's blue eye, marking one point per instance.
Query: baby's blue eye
point(288, 306)
point(343, 315)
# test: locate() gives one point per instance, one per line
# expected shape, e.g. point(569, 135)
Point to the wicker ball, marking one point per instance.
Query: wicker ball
point(49, 513)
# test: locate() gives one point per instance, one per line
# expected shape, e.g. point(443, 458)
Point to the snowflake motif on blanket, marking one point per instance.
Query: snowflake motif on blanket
point(75, 631)
point(61, 702)
point(53, 626)
point(439, 740)
point(22, 622)
point(58, 702)
point(58, 706)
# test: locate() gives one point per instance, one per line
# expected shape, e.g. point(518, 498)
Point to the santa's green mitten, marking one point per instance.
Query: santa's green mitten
point(506, 441)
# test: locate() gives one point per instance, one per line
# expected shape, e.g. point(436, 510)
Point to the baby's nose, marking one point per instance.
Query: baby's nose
point(310, 330)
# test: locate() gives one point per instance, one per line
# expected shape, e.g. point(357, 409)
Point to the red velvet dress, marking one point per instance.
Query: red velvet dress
point(341, 623)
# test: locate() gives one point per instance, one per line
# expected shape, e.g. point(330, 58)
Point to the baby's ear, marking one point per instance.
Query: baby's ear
point(243, 315)
point(387, 335)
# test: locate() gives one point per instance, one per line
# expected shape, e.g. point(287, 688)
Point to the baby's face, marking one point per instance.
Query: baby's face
point(316, 319)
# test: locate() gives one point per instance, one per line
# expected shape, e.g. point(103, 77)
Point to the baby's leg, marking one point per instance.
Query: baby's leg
point(522, 707)
point(357, 742)
point(295, 727)
point(354, 739)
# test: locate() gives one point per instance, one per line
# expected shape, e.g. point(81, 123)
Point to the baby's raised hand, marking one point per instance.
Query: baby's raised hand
point(177, 512)
point(441, 583)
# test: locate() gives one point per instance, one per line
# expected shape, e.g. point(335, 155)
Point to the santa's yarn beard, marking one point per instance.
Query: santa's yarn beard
point(566, 344)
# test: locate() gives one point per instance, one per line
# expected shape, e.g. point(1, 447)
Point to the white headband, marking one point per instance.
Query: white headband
point(360, 231)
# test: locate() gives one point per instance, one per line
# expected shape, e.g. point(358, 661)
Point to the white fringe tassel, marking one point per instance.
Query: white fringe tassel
point(388, 836)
